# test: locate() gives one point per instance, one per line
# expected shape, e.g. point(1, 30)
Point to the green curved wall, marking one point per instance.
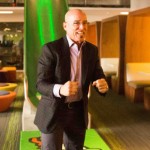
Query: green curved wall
point(43, 23)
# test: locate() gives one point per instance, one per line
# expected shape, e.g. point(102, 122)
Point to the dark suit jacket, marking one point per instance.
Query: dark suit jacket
point(54, 68)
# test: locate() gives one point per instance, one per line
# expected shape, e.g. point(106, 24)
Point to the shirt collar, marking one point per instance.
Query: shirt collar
point(71, 42)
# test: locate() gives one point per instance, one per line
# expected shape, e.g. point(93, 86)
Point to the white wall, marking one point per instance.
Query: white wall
point(139, 4)
point(17, 16)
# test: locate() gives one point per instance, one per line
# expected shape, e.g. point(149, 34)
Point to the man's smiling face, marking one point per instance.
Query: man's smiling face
point(76, 25)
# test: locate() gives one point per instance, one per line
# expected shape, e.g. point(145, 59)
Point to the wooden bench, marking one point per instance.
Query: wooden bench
point(110, 68)
point(137, 78)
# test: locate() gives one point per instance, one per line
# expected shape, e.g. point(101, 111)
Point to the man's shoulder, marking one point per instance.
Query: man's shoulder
point(56, 42)
point(55, 46)
point(90, 44)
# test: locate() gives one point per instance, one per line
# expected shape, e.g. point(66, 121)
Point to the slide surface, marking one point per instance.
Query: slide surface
point(43, 23)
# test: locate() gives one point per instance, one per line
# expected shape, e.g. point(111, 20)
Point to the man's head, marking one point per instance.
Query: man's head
point(75, 25)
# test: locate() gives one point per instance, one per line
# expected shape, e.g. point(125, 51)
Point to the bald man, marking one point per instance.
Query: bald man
point(66, 68)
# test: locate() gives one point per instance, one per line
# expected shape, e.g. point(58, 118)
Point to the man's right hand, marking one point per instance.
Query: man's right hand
point(69, 88)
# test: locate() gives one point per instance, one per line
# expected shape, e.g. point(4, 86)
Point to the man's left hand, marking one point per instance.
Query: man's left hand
point(101, 85)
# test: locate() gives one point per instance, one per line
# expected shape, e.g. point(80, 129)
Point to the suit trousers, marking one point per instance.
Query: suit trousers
point(70, 129)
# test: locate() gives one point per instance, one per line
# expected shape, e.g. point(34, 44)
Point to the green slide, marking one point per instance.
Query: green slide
point(30, 140)
point(43, 23)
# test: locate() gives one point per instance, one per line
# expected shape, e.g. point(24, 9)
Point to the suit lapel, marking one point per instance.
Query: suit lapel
point(66, 54)
point(85, 57)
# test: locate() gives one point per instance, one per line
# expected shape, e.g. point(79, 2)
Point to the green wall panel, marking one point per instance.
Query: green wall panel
point(43, 23)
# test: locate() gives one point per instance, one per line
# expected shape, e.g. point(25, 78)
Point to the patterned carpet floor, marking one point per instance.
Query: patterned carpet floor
point(10, 122)
point(124, 125)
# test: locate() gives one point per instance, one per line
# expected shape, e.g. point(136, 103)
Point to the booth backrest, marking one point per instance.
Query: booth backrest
point(110, 65)
point(137, 72)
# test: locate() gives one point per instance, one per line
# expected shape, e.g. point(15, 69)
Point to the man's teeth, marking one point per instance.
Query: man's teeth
point(80, 33)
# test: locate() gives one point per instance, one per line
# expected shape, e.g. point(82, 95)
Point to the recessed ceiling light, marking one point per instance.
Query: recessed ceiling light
point(124, 13)
point(6, 12)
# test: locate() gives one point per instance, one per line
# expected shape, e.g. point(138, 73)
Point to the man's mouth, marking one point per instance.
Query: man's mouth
point(80, 33)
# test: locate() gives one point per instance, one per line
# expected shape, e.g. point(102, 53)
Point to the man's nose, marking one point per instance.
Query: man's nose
point(82, 25)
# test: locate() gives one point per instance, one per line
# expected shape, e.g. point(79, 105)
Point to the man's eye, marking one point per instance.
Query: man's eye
point(85, 23)
point(79, 23)
point(76, 23)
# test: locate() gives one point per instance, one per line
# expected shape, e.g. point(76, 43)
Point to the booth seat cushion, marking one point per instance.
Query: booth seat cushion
point(139, 84)
point(8, 86)
point(9, 68)
point(6, 100)
point(110, 66)
point(138, 72)
point(137, 78)
point(3, 92)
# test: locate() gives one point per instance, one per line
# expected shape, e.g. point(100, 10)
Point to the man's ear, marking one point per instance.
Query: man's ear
point(64, 25)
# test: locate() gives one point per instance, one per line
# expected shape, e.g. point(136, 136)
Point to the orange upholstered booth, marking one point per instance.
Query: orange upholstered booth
point(8, 86)
point(6, 98)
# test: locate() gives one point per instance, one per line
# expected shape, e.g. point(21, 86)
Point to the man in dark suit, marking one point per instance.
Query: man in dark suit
point(66, 68)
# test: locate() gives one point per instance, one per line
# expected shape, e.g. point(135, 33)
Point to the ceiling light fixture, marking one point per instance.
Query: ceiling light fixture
point(124, 13)
point(6, 12)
